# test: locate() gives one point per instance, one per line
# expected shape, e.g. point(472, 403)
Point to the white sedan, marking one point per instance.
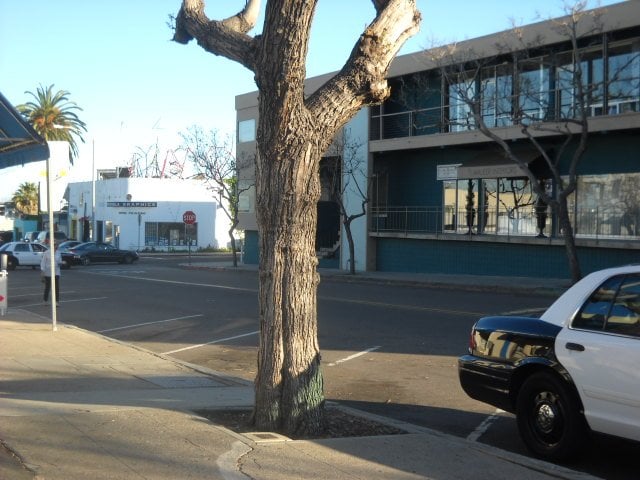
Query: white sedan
point(22, 254)
point(574, 370)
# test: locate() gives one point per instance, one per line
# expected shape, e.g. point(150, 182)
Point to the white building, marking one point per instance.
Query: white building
point(143, 213)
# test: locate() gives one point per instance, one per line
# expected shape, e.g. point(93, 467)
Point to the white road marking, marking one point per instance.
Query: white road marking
point(211, 342)
point(355, 355)
point(176, 282)
point(484, 426)
point(149, 323)
point(39, 304)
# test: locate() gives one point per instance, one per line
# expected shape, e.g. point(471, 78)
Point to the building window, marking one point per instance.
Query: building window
point(460, 206)
point(497, 94)
point(170, 234)
point(608, 206)
point(247, 130)
point(460, 115)
point(151, 233)
point(592, 71)
point(498, 206)
point(623, 78)
point(533, 91)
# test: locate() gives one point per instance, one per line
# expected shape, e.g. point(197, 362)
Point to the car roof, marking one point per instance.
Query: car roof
point(564, 308)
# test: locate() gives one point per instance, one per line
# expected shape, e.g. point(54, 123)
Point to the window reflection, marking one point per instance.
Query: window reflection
point(608, 205)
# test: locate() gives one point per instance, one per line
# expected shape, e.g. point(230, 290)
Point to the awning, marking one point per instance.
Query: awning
point(496, 165)
point(19, 142)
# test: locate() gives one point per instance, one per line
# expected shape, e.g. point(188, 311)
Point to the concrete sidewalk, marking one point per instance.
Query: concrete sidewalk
point(76, 405)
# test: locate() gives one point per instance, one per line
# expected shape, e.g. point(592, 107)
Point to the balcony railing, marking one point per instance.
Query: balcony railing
point(436, 120)
point(609, 223)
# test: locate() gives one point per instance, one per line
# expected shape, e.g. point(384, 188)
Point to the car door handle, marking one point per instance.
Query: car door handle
point(574, 346)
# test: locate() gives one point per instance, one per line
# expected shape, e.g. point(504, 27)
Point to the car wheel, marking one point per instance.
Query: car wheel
point(11, 264)
point(549, 418)
point(128, 259)
point(85, 261)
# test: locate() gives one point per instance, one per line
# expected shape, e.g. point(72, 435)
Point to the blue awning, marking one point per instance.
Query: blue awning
point(19, 142)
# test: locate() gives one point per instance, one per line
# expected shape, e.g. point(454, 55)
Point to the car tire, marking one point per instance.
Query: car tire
point(549, 418)
point(85, 261)
point(128, 259)
point(12, 264)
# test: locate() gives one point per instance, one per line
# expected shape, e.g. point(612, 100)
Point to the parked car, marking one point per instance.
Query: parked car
point(23, 254)
point(67, 258)
point(99, 252)
point(31, 236)
point(573, 370)
point(43, 237)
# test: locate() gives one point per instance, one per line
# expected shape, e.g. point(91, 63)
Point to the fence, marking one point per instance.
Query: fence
point(588, 223)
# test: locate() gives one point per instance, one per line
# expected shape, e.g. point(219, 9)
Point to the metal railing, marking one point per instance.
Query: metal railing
point(429, 121)
point(609, 223)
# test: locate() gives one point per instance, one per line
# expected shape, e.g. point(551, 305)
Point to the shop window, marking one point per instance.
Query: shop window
point(460, 210)
point(608, 205)
point(170, 234)
point(502, 206)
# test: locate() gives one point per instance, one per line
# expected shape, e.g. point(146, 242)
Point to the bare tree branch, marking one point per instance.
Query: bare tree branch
point(226, 38)
point(362, 80)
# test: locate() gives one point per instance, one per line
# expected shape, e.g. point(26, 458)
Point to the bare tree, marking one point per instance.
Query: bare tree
point(525, 103)
point(344, 171)
point(215, 162)
point(294, 129)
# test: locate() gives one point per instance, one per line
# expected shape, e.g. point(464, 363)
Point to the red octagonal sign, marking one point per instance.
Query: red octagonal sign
point(189, 217)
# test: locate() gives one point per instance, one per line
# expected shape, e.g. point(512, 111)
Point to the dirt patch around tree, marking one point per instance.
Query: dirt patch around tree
point(339, 423)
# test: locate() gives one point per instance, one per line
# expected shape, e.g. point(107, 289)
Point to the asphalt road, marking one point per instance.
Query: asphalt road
point(388, 349)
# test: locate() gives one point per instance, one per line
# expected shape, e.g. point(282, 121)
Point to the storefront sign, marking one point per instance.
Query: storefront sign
point(132, 204)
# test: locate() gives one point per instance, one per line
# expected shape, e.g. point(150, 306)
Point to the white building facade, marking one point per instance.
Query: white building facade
point(144, 214)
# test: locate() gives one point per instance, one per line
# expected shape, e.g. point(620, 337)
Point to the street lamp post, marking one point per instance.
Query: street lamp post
point(52, 243)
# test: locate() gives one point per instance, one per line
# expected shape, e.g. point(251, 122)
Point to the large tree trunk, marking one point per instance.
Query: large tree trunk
point(289, 393)
point(294, 129)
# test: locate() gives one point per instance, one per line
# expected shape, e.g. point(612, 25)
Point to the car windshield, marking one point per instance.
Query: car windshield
point(4, 247)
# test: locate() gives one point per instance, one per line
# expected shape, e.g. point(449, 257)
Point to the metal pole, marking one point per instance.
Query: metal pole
point(52, 265)
point(93, 189)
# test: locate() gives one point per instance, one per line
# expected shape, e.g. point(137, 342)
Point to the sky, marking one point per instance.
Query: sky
point(137, 88)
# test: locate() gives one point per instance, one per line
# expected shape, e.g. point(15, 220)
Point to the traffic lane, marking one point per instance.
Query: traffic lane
point(447, 298)
point(353, 325)
point(170, 271)
point(169, 313)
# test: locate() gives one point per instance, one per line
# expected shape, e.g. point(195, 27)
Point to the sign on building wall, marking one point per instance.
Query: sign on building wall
point(448, 172)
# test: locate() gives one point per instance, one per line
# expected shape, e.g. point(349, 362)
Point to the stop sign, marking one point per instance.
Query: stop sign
point(189, 217)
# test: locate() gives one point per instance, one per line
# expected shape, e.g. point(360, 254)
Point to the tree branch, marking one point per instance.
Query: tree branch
point(362, 80)
point(227, 38)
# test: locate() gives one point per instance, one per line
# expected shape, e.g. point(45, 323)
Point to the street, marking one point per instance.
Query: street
point(386, 348)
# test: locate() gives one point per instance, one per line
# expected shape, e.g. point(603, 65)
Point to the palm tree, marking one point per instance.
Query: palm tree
point(53, 117)
point(26, 198)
